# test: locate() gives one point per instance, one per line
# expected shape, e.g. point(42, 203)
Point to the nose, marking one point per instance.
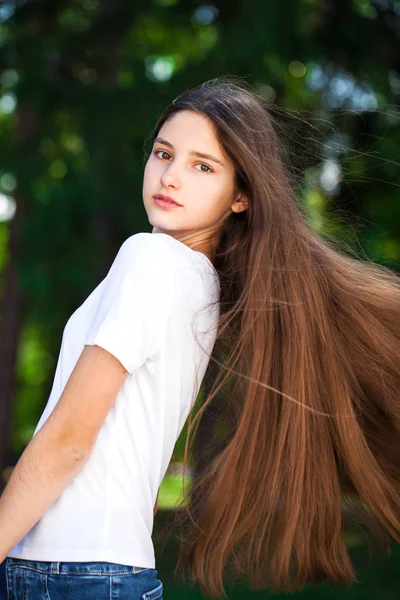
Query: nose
point(170, 176)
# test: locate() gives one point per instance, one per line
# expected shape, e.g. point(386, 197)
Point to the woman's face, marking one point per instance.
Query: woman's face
point(203, 186)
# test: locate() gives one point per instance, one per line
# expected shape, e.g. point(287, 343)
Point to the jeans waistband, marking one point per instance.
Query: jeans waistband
point(75, 568)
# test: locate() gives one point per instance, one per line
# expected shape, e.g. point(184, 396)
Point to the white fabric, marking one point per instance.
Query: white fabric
point(142, 312)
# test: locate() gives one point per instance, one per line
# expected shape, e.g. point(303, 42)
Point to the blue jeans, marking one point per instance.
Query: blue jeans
point(43, 580)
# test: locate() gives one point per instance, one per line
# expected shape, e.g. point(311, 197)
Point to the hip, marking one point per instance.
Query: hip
point(45, 580)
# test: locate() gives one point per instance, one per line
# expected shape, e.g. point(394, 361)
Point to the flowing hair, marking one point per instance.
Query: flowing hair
point(306, 360)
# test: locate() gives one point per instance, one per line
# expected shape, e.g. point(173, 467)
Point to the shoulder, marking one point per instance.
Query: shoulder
point(142, 262)
point(145, 251)
point(154, 257)
point(144, 241)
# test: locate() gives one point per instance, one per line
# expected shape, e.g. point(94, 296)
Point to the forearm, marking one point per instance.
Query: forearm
point(39, 477)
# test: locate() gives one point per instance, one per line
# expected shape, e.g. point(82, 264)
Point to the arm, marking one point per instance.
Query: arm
point(62, 446)
point(42, 472)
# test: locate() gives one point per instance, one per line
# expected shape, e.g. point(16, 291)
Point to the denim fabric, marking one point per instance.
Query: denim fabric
point(3, 587)
point(42, 580)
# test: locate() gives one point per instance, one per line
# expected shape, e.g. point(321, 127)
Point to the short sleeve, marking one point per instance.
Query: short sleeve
point(135, 301)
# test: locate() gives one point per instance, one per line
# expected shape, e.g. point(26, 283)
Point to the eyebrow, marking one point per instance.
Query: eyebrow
point(193, 152)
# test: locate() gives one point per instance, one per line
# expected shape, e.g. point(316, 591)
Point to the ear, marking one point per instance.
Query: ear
point(241, 203)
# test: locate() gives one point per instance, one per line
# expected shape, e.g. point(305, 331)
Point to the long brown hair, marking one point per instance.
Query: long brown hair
point(307, 359)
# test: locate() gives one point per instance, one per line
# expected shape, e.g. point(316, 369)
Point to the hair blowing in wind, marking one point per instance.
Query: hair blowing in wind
point(306, 361)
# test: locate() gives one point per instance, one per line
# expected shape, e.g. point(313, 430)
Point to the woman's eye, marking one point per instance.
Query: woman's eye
point(206, 166)
point(156, 152)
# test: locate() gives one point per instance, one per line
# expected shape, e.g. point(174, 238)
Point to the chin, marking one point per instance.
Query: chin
point(158, 225)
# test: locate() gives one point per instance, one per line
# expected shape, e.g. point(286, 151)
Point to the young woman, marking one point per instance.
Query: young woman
point(307, 338)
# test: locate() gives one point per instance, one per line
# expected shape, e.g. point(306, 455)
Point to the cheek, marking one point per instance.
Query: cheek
point(205, 202)
point(214, 193)
point(148, 174)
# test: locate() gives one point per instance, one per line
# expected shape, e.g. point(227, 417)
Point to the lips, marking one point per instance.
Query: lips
point(167, 199)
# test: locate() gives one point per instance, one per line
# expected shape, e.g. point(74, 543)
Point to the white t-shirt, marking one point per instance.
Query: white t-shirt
point(143, 312)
